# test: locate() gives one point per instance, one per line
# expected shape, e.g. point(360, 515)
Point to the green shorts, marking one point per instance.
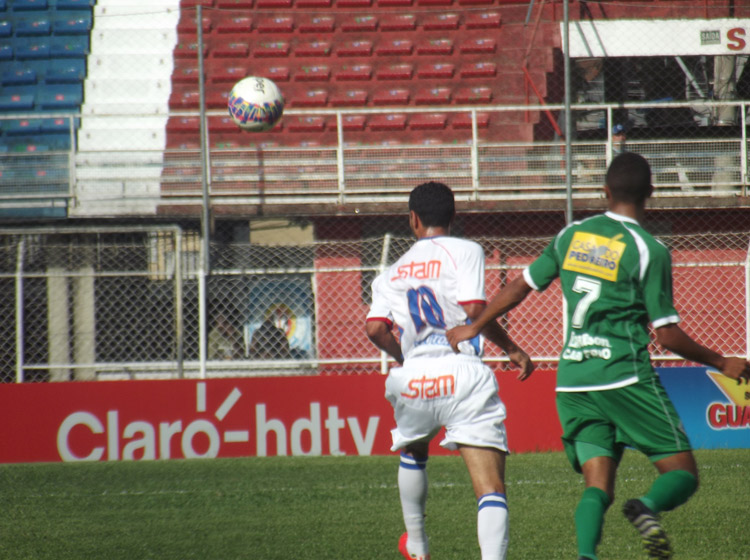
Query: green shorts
point(639, 416)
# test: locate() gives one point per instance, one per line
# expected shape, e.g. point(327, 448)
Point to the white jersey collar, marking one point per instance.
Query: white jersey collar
point(620, 217)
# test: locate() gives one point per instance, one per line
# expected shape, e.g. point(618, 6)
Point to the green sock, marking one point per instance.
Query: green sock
point(670, 490)
point(589, 518)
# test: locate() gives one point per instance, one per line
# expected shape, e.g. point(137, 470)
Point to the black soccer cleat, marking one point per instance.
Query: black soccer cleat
point(654, 538)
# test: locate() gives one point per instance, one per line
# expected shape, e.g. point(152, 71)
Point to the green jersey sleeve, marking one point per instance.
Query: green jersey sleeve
point(543, 271)
point(657, 287)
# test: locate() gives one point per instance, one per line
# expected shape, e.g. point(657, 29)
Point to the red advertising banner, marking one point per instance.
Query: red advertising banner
point(233, 417)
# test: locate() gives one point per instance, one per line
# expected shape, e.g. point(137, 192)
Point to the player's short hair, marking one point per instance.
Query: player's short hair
point(433, 202)
point(629, 178)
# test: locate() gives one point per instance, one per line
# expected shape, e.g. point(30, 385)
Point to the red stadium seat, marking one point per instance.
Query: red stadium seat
point(474, 95)
point(234, 4)
point(242, 24)
point(394, 47)
point(314, 3)
point(275, 25)
point(436, 70)
point(318, 24)
point(442, 47)
point(479, 46)
point(349, 98)
point(441, 22)
point(269, 49)
point(394, 3)
point(433, 96)
point(231, 50)
point(354, 73)
point(399, 22)
point(479, 70)
point(311, 98)
point(353, 122)
point(428, 121)
point(283, 4)
point(354, 48)
point(313, 48)
point(391, 97)
point(313, 74)
point(183, 124)
point(483, 20)
point(360, 24)
point(389, 122)
point(305, 124)
point(277, 73)
point(218, 73)
point(403, 71)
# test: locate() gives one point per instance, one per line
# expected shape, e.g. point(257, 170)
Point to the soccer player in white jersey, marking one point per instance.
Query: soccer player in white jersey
point(438, 284)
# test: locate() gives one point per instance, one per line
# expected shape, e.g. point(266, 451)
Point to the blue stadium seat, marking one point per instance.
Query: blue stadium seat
point(77, 23)
point(20, 127)
point(74, 4)
point(38, 26)
point(6, 28)
point(3, 5)
point(6, 52)
point(32, 48)
point(16, 102)
point(69, 47)
point(61, 96)
point(18, 76)
point(57, 125)
point(65, 71)
point(27, 5)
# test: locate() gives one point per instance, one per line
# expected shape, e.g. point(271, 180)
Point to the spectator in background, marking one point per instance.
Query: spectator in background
point(224, 340)
point(269, 343)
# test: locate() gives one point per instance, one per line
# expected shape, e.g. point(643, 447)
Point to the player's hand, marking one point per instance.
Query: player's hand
point(524, 363)
point(459, 334)
point(737, 368)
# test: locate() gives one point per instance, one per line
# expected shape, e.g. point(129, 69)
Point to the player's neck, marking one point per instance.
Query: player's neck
point(629, 210)
point(425, 233)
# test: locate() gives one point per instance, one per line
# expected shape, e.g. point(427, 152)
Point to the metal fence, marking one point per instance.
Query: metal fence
point(111, 303)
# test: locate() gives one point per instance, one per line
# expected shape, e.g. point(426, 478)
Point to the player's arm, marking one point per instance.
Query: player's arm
point(674, 339)
point(499, 337)
point(505, 300)
point(380, 334)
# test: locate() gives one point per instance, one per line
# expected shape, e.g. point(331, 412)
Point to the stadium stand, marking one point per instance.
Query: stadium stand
point(43, 47)
point(396, 53)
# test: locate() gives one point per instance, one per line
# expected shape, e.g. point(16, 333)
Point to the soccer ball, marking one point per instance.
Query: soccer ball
point(255, 104)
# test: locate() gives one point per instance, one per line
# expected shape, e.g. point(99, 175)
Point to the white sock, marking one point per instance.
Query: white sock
point(492, 526)
point(412, 488)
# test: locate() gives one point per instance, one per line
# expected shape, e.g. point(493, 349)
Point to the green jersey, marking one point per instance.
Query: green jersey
point(615, 279)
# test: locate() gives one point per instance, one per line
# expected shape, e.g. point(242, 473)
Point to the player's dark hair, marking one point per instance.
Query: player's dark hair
point(629, 178)
point(433, 202)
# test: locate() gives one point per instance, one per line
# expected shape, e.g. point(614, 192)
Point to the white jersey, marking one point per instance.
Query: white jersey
point(423, 292)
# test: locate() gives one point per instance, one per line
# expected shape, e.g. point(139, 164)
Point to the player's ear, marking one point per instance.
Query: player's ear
point(607, 192)
point(414, 220)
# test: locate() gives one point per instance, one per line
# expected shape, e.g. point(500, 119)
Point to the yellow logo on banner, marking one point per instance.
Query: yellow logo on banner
point(594, 255)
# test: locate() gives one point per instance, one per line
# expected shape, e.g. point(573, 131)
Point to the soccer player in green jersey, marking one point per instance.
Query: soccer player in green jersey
point(616, 279)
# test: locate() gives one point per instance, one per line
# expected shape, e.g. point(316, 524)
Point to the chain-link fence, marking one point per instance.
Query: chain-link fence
point(128, 302)
point(379, 93)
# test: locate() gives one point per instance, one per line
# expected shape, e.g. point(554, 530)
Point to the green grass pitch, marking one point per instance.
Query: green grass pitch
point(338, 508)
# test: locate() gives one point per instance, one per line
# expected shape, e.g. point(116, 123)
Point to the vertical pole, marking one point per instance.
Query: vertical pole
point(474, 155)
point(568, 117)
point(178, 320)
point(205, 266)
point(19, 310)
point(743, 149)
point(340, 156)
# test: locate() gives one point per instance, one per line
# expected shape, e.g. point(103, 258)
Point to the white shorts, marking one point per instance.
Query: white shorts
point(457, 392)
